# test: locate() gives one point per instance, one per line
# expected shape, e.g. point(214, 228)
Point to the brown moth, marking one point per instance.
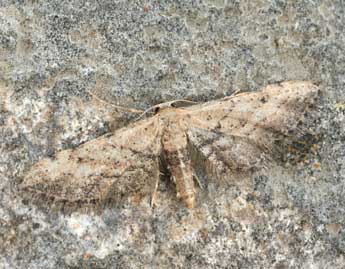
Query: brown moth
point(224, 137)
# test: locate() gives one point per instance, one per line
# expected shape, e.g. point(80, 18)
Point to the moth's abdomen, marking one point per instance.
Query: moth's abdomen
point(180, 168)
point(178, 161)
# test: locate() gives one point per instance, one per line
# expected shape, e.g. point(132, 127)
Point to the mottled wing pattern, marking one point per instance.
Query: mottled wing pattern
point(220, 155)
point(110, 168)
point(245, 129)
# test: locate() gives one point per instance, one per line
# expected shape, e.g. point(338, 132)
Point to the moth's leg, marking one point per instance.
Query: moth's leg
point(197, 180)
point(154, 193)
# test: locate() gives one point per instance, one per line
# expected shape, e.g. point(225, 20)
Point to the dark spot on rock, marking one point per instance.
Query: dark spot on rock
point(250, 197)
point(35, 226)
point(263, 99)
point(220, 229)
point(189, 257)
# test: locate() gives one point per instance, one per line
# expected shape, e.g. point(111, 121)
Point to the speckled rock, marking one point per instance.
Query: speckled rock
point(66, 68)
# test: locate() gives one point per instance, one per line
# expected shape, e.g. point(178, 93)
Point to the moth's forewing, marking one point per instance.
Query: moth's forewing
point(110, 168)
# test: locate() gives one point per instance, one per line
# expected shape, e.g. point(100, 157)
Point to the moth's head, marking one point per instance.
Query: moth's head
point(163, 107)
point(171, 105)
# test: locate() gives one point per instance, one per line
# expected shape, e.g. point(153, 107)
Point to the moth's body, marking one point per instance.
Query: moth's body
point(223, 137)
point(174, 142)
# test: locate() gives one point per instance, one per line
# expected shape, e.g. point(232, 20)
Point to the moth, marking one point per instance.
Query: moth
point(222, 138)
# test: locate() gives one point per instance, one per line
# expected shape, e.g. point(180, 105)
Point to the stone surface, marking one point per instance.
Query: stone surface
point(65, 66)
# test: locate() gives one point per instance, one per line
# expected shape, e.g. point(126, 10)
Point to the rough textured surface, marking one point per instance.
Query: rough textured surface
point(60, 59)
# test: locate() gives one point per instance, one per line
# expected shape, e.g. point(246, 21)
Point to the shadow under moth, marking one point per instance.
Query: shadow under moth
point(224, 138)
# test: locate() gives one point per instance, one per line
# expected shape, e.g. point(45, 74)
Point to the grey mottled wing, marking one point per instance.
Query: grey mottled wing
point(263, 116)
point(103, 170)
point(238, 133)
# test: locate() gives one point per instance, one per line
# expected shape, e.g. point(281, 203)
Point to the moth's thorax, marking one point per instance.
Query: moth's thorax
point(175, 122)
